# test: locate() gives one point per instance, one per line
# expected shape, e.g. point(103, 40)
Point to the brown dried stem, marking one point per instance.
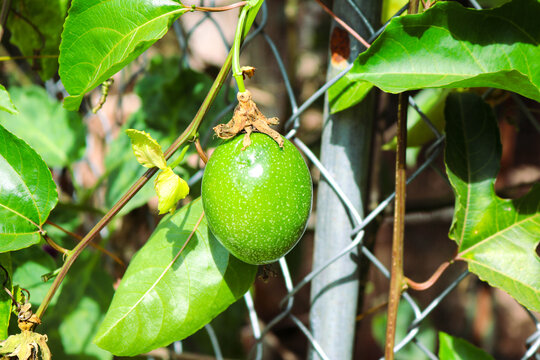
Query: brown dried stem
point(219, 8)
point(200, 151)
point(372, 310)
point(397, 278)
point(92, 244)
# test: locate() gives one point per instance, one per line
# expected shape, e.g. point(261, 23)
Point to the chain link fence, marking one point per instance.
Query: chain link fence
point(359, 223)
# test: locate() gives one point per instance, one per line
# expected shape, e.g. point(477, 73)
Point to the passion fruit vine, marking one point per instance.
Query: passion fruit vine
point(257, 201)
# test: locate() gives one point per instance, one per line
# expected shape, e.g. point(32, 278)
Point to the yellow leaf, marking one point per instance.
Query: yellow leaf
point(170, 189)
point(147, 151)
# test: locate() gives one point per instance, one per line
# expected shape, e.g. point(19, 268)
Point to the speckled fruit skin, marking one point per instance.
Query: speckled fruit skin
point(257, 201)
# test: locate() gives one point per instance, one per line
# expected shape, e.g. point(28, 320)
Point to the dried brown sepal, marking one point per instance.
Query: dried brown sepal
point(27, 345)
point(247, 117)
point(248, 71)
point(26, 320)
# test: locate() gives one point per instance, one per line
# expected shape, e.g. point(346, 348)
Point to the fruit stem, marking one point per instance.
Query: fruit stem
point(238, 38)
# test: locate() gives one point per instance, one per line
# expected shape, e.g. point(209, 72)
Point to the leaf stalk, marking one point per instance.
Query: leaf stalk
point(432, 280)
point(219, 8)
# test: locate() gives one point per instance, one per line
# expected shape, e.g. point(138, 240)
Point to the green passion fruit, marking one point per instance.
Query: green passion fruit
point(257, 201)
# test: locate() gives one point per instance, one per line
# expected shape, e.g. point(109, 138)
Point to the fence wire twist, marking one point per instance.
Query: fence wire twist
point(359, 224)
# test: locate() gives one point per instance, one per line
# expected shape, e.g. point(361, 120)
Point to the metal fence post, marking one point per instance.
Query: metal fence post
point(345, 152)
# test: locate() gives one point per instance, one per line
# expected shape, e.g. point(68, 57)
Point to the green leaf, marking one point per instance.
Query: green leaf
point(167, 293)
point(5, 101)
point(29, 265)
point(390, 7)
point(100, 37)
point(27, 193)
point(170, 189)
point(497, 237)
point(56, 134)
point(254, 6)
point(35, 29)
point(147, 150)
point(431, 102)
point(5, 300)
point(453, 348)
point(451, 46)
point(346, 93)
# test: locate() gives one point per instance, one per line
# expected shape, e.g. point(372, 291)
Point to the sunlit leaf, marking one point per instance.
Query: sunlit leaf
point(170, 189)
point(168, 293)
point(27, 193)
point(147, 151)
point(100, 37)
point(254, 5)
point(496, 237)
point(5, 299)
point(5, 101)
point(453, 348)
point(452, 46)
point(56, 134)
point(390, 8)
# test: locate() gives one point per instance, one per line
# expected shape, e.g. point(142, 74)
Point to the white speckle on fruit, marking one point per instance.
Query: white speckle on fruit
point(257, 201)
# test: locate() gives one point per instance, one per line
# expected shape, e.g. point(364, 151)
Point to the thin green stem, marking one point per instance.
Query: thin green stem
point(188, 134)
point(180, 157)
point(413, 7)
point(238, 37)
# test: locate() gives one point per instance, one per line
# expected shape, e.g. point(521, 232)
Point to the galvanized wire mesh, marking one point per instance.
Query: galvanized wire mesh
point(291, 126)
point(359, 223)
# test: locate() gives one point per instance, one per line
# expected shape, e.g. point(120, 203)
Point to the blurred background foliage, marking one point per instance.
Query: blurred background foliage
point(92, 163)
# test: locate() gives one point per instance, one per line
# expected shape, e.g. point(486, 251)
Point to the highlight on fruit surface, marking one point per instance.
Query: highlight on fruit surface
point(257, 201)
